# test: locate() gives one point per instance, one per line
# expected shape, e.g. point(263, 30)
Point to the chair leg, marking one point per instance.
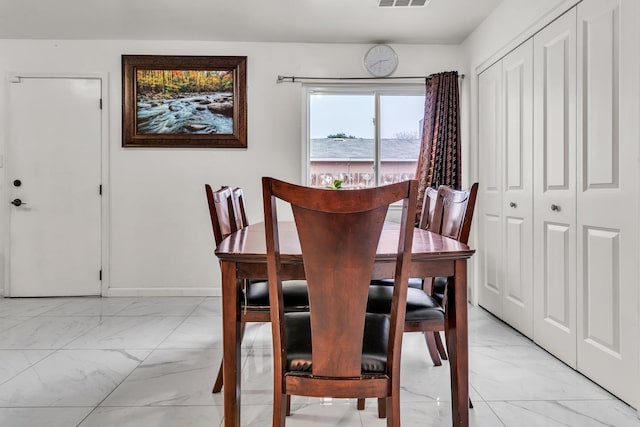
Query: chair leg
point(217, 387)
point(393, 410)
point(382, 407)
point(360, 404)
point(279, 409)
point(470, 404)
point(288, 404)
point(441, 349)
point(433, 350)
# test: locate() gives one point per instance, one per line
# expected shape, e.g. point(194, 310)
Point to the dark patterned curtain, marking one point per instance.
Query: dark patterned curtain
point(439, 159)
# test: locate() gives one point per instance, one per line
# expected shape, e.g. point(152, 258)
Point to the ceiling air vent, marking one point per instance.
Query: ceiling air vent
point(400, 3)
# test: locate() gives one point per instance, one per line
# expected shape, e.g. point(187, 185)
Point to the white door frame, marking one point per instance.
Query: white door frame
point(105, 201)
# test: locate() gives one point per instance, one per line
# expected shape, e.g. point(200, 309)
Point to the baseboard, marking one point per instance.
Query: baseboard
point(163, 292)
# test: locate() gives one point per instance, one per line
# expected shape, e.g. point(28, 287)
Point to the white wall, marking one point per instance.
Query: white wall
point(160, 240)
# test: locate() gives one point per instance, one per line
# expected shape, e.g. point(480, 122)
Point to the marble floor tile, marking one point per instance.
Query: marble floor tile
point(46, 332)
point(196, 332)
point(91, 306)
point(152, 362)
point(10, 322)
point(12, 362)
point(70, 378)
point(307, 412)
point(487, 330)
point(433, 414)
point(29, 306)
point(592, 413)
point(162, 306)
point(258, 335)
point(43, 417)
point(211, 306)
point(527, 373)
point(144, 332)
point(171, 378)
point(156, 416)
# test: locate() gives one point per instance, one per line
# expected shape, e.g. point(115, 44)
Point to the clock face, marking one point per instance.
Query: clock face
point(381, 60)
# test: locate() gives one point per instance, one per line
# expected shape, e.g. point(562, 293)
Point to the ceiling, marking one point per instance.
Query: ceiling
point(312, 21)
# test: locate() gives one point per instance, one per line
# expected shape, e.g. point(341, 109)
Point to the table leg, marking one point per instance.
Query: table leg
point(457, 344)
point(231, 340)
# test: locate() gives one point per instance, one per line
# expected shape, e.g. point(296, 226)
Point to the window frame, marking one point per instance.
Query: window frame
point(375, 89)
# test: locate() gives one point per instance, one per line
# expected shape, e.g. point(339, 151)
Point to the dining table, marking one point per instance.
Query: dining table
point(243, 255)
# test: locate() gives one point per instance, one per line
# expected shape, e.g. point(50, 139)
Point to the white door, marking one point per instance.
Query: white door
point(554, 242)
point(607, 196)
point(517, 201)
point(54, 162)
point(490, 292)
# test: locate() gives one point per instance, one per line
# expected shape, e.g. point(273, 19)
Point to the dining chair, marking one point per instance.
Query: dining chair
point(455, 222)
point(228, 214)
point(451, 217)
point(337, 349)
point(428, 219)
point(420, 304)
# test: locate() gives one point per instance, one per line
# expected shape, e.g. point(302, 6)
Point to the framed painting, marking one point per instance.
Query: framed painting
point(184, 101)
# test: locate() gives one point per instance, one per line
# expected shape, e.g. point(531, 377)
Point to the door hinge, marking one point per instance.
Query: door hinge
point(101, 103)
point(100, 275)
point(100, 189)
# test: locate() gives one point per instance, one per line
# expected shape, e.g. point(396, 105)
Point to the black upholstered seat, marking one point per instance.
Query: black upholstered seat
point(374, 347)
point(295, 294)
point(420, 306)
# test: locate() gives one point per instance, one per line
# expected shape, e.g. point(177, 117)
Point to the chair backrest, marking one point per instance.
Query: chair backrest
point(339, 231)
point(428, 219)
point(457, 212)
point(239, 208)
point(221, 210)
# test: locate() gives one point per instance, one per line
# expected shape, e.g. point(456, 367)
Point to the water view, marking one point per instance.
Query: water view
point(184, 102)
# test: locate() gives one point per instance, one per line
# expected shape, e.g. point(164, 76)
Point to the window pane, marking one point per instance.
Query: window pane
point(342, 140)
point(400, 131)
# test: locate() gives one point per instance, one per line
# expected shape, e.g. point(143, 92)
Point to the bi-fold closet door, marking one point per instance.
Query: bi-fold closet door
point(506, 213)
point(607, 194)
point(554, 159)
point(579, 297)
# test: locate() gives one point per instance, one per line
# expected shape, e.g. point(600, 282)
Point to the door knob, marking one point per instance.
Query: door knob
point(17, 202)
point(555, 208)
point(513, 205)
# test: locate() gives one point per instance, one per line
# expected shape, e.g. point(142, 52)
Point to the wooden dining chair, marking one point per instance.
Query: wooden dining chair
point(455, 222)
point(420, 303)
point(228, 214)
point(337, 349)
point(451, 216)
point(428, 219)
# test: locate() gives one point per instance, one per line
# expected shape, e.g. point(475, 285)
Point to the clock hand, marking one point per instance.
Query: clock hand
point(379, 61)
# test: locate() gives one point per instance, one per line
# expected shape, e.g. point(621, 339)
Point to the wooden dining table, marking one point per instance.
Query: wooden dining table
point(243, 256)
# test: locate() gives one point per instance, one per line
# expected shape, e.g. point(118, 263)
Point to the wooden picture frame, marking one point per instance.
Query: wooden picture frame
point(184, 101)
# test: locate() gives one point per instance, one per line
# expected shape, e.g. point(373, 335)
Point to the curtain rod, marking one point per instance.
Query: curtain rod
point(293, 79)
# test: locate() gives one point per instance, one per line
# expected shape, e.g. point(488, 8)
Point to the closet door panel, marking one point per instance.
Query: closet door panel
point(517, 206)
point(554, 188)
point(607, 206)
point(491, 188)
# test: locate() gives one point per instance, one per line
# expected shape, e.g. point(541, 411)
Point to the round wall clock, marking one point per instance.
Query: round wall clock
point(380, 60)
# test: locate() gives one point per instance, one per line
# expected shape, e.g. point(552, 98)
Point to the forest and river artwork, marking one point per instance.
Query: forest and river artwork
point(184, 102)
